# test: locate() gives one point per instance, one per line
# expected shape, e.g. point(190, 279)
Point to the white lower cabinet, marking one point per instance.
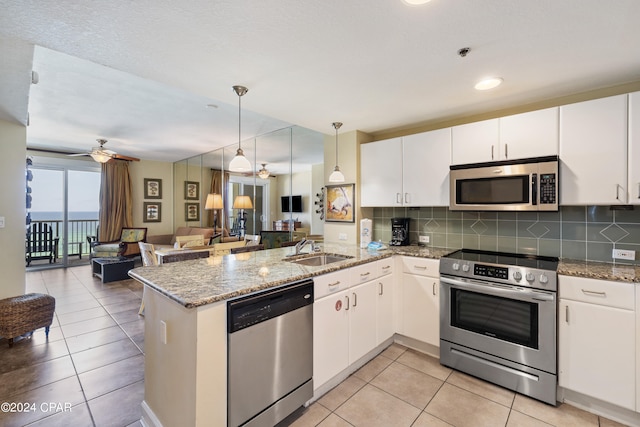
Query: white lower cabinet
point(420, 308)
point(330, 337)
point(420, 300)
point(597, 339)
point(349, 323)
point(362, 320)
point(385, 318)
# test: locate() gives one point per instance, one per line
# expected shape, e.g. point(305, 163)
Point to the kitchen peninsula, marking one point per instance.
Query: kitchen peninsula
point(186, 325)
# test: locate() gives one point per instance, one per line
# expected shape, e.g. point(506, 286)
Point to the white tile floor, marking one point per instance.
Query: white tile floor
point(94, 360)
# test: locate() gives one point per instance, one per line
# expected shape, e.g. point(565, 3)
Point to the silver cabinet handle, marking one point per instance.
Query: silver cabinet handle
point(434, 288)
point(492, 152)
point(355, 299)
point(639, 190)
point(386, 267)
point(618, 187)
point(336, 283)
point(419, 267)
point(506, 151)
point(365, 274)
point(566, 313)
point(348, 302)
point(594, 293)
point(398, 198)
point(381, 288)
point(406, 197)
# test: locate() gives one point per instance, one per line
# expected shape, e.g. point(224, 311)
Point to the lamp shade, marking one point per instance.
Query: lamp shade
point(214, 201)
point(242, 202)
point(100, 157)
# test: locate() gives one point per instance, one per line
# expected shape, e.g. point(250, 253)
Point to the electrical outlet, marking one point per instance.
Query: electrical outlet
point(423, 239)
point(622, 254)
point(342, 236)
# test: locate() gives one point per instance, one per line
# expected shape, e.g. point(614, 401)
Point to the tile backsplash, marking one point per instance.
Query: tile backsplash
point(576, 232)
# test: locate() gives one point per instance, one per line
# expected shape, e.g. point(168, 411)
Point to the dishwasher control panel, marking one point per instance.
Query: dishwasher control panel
point(255, 308)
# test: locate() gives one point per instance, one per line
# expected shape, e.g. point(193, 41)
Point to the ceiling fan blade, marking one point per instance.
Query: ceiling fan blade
point(78, 154)
point(123, 157)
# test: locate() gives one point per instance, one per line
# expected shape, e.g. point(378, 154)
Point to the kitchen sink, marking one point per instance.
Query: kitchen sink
point(319, 259)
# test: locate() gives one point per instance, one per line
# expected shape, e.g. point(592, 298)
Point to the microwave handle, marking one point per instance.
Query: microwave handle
point(534, 189)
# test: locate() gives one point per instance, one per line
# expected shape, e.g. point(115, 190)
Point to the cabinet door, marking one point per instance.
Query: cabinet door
point(381, 173)
point(532, 134)
point(593, 152)
point(596, 351)
point(426, 159)
point(330, 337)
point(385, 322)
point(634, 148)
point(362, 320)
point(420, 308)
point(475, 142)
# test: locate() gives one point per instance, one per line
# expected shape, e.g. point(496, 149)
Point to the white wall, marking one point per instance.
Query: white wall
point(349, 162)
point(13, 153)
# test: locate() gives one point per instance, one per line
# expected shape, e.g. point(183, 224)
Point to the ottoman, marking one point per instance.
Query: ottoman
point(25, 313)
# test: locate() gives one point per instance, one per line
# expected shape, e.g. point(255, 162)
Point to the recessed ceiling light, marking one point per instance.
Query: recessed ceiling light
point(489, 83)
point(416, 2)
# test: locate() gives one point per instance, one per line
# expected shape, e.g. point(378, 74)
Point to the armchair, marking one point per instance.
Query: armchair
point(127, 246)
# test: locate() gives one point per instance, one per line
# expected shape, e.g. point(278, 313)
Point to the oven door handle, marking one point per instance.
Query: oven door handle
point(499, 290)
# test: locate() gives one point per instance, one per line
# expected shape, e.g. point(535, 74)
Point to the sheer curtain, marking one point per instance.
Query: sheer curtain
point(115, 200)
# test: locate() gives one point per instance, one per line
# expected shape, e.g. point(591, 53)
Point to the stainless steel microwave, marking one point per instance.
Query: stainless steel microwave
point(510, 185)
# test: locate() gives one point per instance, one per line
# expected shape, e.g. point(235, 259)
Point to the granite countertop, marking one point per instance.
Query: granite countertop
point(204, 281)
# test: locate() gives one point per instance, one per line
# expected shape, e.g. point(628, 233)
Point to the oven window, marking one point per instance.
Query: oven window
point(502, 318)
point(489, 191)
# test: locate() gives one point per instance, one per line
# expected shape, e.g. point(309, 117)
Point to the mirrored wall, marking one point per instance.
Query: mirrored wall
point(282, 193)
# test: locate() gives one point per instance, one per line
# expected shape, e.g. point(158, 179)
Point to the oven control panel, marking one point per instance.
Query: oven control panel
point(491, 271)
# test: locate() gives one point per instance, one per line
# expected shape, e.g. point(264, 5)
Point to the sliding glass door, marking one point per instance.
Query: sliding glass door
point(64, 199)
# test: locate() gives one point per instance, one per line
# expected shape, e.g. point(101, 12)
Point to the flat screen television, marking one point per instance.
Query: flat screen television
point(296, 203)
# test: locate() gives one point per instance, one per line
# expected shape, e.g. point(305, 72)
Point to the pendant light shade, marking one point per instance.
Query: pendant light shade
point(240, 163)
point(336, 175)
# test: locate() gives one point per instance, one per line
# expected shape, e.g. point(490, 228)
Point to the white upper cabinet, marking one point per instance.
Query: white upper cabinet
point(533, 134)
point(634, 148)
point(408, 171)
point(425, 163)
point(381, 173)
point(520, 136)
point(593, 152)
point(475, 142)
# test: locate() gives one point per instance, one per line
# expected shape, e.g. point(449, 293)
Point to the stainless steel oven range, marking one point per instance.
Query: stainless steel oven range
point(498, 315)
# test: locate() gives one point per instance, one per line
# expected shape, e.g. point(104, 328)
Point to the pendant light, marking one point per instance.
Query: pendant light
point(336, 175)
point(240, 163)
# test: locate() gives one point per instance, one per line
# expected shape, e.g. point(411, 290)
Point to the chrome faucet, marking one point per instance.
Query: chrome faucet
point(302, 243)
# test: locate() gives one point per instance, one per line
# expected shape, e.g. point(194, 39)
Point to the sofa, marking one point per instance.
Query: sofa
point(212, 236)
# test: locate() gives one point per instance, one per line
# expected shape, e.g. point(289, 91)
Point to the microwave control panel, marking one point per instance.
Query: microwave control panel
point(548, 189)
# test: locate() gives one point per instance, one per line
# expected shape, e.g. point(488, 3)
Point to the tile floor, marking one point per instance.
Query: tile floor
point(94, 363)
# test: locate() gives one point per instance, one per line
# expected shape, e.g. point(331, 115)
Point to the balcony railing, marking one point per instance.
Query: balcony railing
point(78, 230)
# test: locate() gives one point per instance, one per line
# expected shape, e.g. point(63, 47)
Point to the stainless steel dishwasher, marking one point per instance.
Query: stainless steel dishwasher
point(270, 354)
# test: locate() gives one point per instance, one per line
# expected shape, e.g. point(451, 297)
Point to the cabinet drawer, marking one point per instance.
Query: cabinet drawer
point(363, 273)
point(601, 292)
point(330, 283)
point(385, 266)
point(421, 266)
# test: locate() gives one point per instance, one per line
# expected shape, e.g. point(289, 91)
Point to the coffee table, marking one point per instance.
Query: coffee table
point(111, 269)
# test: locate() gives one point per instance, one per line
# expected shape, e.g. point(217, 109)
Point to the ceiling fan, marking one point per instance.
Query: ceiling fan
point(102, 155)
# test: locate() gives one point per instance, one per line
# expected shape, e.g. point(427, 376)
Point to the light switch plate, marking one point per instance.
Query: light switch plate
point(342, 236)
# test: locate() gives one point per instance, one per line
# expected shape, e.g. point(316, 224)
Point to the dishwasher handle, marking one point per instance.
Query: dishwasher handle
point(255, 308)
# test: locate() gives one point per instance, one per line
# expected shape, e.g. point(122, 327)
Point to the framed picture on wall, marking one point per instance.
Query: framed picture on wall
point(152, 212)
point(152, 188)
point(191, 190)
point(192, 211)
point(339, 203)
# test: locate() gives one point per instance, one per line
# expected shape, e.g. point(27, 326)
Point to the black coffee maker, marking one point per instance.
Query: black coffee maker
point(399, 232)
